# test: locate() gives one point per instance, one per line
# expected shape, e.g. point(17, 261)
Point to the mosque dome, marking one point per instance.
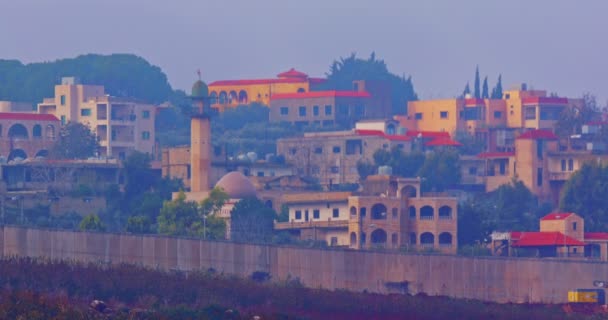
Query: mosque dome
point(200, 90)
point(236, 185)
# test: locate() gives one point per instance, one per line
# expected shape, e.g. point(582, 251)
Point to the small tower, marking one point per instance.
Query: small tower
point(200, 139)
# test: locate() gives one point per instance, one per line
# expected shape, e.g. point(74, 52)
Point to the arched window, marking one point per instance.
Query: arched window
point(301, 90)
point(42, 154)
point(223, 97)
point(213, 97)
point(17, 154)
point(353, 211)
point(353, 239)
point(427, 240)
point(427, 213)
point(445, 239)
point(379, 237)
point(379, 211)
point(50, 132)
point(408, 192)
point(243, 97)
point(18, 131)
point(37, 131)
point(390, 129)
point(445, 213)
point(232, 97)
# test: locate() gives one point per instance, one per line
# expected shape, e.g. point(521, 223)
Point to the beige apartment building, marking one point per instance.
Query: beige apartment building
point(122, 125)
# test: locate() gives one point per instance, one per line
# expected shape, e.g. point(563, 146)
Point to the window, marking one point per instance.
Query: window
point(418, 116)
point(284, 111)
point(145, 114)
point(315, 111)
point(443, 114)
point(316, 214)
point(507, 96)
point(472, 170)
point(298, 215)
point(530, 113)
point(318, 150)
point(335, 169)
point(63, 120)
point(335, 213)
point(260, 173)
point(62, 100)
point(539, 149)
point(563, 164)
point(302, 111)
point(328, 110)
point(573, 225)
point(292, 151)
point(497, 114)
point(145, 135)
point(539, 177)
point(570, 165)
point(336, 149)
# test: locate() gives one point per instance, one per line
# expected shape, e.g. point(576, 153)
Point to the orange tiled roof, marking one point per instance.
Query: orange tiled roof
point(321, 94)
point(557, 216)
point(27, 116)
point(543, 239)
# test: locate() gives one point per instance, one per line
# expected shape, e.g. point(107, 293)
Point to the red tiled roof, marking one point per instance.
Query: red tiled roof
point(392, 137)
point(27, 116)
point(543, 239)
point(473, 102)
point(427, 134)
point(543, 100)
point(293, 73)
point(255, 81)
point(556, 216)
point(486, 155)
point(321, 94)
point(596, 235)
point(538, 135)
point(442, 141)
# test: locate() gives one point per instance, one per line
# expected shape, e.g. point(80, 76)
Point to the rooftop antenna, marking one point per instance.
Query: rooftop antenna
point(198, 71)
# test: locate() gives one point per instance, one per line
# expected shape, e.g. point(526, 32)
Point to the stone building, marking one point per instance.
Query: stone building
point(389, 212)
point(27, 135)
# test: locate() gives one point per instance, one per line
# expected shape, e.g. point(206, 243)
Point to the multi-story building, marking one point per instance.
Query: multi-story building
point(389, 212)
point(27, 135)
point(537, 160)
point(231, 93)
point(368, 100)
point(496, 122)
point(122, 125)
point(14, 106)
point(331, 157)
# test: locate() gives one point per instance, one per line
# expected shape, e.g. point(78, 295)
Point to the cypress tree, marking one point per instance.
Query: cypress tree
point(477, 93)
point(467, 90)
point(484, 88)
point(497, 91)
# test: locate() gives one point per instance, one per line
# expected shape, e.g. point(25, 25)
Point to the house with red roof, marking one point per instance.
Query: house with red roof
point(366, 100)
point(231, 93)
point(562, 234)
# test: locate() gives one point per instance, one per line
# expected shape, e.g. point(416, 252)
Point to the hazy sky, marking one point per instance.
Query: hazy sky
point(550, 44)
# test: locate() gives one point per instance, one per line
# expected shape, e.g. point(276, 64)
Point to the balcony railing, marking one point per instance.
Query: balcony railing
point(311, 224)
point(426, 217)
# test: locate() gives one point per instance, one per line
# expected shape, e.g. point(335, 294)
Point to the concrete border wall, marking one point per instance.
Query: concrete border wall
point(483, 278)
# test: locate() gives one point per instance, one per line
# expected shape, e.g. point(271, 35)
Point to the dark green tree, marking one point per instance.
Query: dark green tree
point(365, 169)
point(251, 221)
point(75, 141)
point(344, 71)
point(139, 178)
point(177, 216)
point(585, 194)
point(514, 207)
point(477, 92)
point(470, 145)
point(473, 225)
point(440, 171)
point(484, 89)
point(497, 90)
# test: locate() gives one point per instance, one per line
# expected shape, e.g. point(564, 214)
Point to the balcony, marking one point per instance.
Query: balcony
point(311, 224)
point(560, 175)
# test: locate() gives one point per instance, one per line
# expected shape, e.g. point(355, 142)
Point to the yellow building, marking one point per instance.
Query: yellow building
point(122, 125)
point(231, 93)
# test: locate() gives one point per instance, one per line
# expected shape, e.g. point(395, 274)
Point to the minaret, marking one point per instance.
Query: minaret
point(200, 139)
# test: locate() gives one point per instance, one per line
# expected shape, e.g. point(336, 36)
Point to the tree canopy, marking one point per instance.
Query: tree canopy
point(122, 75)
point(252, 221)
point(75, 141)
point(344, 71)
point(585, 194)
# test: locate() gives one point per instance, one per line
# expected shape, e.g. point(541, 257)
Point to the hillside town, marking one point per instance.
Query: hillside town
point(359, 176)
